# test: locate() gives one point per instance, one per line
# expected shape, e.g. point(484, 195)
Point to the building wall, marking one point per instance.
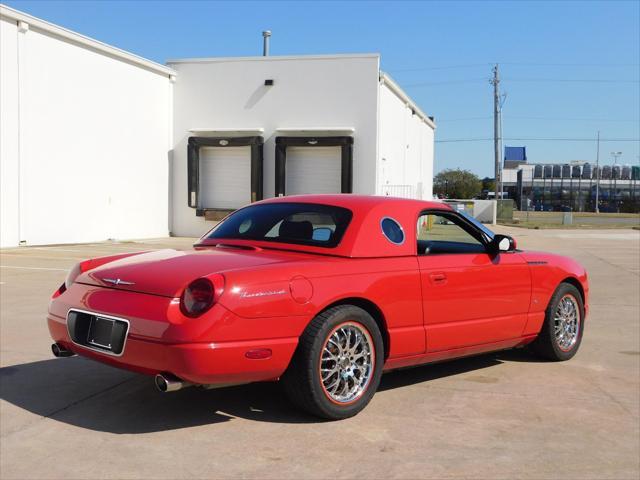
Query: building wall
point(9, 139)
point(87, 150)
point(94, 135)
point(405, 149)
point(308, 92)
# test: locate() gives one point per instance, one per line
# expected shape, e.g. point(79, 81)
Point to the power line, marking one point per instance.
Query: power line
point(439, 67)
point(530, 139)
point(513, 64)
point(446, 82)
point(518, 117)
point(527, 139)
point(573, 139)
point(579, 80)
point(440, 120)
point(459, 140)
point(525, 64)
point(522, 80)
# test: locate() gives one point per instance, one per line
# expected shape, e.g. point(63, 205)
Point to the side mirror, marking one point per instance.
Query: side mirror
point(502, 243)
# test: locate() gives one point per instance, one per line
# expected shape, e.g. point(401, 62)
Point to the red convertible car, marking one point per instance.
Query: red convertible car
point(322, 292)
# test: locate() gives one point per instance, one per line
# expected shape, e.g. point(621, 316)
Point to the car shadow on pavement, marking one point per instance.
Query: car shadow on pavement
point(447, 368)
point(90, 395)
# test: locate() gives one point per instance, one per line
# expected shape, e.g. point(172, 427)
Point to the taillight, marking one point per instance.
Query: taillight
point(75, 272)
point(197, 298)
point(59, 291)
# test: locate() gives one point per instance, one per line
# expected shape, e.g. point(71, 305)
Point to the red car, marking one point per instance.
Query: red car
point(324, 293)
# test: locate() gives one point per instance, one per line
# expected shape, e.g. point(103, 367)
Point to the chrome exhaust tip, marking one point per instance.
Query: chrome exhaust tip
point(168, 383)
point(60, 351)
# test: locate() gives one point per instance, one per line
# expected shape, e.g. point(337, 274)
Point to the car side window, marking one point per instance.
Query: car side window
point(443, 233)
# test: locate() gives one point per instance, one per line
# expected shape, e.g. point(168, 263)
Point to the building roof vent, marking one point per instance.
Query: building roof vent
point(266, 35)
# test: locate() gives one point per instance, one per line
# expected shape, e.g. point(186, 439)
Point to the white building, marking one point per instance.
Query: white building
point(84, 137)
point(257, 127)
point(97, 143)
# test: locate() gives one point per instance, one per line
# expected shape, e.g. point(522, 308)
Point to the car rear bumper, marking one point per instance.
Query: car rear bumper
point(200, 363)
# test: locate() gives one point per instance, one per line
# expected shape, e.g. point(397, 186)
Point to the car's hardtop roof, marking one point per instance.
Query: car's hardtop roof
point(359, 202)
point(364, 237)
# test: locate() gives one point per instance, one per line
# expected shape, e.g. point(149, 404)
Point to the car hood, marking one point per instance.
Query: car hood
point(168, 272)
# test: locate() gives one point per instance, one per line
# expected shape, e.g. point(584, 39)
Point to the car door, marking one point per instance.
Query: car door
point(470, 297)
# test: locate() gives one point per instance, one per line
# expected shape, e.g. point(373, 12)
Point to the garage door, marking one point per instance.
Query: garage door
point(225, 177)
point(313, 170)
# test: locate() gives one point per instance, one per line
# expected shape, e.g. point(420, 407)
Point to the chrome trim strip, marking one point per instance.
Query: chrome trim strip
point(96, 314)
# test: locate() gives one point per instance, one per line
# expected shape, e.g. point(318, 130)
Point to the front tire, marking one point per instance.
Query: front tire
point(561, 333)
point(338, 364)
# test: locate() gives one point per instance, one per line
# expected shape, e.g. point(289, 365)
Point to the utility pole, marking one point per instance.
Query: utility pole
point(495, 81)
point(615, 156)
point(598, 172)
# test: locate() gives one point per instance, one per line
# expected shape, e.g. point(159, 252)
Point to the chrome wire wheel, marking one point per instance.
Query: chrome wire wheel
point(347, 363)
point(566, 323)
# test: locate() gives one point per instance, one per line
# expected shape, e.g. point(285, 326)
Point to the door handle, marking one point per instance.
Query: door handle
point(438, 278)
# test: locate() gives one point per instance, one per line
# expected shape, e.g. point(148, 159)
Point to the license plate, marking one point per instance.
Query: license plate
point(100, 332)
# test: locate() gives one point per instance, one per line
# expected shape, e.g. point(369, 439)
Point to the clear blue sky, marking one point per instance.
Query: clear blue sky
point(569, 68)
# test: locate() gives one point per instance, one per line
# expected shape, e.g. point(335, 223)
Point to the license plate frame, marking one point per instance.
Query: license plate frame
point(100, 330)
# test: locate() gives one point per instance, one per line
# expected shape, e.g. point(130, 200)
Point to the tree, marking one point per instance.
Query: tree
point(457, 184)
point(488, 184)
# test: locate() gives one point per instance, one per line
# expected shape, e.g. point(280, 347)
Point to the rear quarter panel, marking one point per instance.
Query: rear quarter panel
point(304, 288)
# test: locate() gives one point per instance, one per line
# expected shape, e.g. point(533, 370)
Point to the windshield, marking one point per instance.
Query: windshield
point(478, 224)
point(296, 223)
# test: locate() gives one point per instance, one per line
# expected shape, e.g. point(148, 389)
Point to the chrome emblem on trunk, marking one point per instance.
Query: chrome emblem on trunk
point(117, 281)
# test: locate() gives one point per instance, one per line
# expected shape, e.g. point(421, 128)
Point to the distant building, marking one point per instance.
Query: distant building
point(514, 156)
point(572, 186)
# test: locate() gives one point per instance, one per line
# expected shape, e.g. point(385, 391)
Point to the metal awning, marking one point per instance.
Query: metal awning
point(315, 131)
point(227, 132)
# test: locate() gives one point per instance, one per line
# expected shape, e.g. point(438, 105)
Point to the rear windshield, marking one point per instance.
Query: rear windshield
point(297, 223)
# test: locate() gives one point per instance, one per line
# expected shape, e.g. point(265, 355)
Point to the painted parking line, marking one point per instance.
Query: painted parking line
point(56, 249)
point(35, 268)
point(600, 236)
point(26, 256)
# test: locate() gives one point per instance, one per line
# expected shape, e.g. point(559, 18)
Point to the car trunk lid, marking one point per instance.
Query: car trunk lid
point(168, 272)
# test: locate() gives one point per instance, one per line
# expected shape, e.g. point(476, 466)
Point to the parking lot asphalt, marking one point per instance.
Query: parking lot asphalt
point(502, 415)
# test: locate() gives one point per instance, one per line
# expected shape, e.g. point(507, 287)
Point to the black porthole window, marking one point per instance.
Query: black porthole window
point(392, 230)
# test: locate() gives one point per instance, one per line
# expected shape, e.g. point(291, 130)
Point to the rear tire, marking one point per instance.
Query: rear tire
point(561, 333)
point(337, 366)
